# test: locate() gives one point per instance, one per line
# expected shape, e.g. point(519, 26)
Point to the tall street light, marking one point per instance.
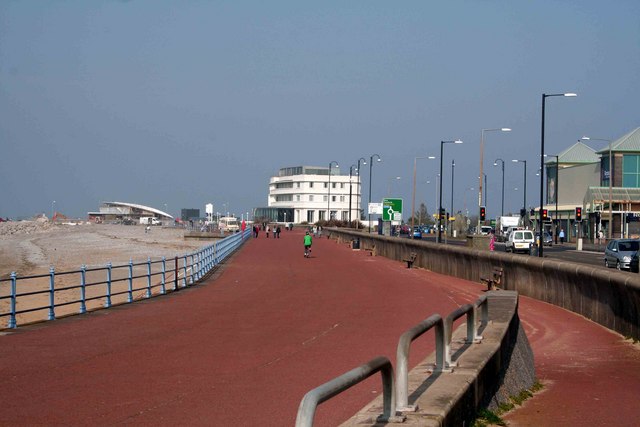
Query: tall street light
point(480, 188)
point(329, 197)
point(610, 227)
point(350, 189)
point(457, 141)
point(52, 209)
point(370, 171)
point(453, 170)
point(359, 202)
point(495, 163)
point(413, 197)
point(540, 227)
point(524, 205)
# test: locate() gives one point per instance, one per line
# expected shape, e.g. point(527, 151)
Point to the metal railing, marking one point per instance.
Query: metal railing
point(313, 398)
point(29, 299)
point(400, 393)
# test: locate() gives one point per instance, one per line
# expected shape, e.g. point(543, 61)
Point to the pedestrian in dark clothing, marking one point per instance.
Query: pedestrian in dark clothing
point(278, 232)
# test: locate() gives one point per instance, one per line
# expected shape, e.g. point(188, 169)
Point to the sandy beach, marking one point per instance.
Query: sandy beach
point(32, 247)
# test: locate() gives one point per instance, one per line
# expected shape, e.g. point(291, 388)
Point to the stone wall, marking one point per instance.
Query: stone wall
point(608, 297)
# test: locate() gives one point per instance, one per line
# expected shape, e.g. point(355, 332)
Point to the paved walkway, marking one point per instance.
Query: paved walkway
point(244, 347)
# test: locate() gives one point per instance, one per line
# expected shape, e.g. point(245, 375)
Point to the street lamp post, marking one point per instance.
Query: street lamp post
point(524, 205)
point(610, 227)
point(495, 163)
point(52, 209)
point(350, 190)
point(329, 188)
point(480, 188)
point(413, 197)
point(370, 171)
point(457, 141)
point(540, 227)
point(453, 170)
point(359, 202)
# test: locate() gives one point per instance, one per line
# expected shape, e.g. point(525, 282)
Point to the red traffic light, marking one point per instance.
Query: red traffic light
point(578, 214)
point(483, 213)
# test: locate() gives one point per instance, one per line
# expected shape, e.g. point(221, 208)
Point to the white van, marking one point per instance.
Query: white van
point(150, 220)
point(520, 241)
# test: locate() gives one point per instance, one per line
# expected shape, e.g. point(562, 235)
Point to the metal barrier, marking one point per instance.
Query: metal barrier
point(311, 400)
point(91, 288)
point(400, 394)
point(402, 357)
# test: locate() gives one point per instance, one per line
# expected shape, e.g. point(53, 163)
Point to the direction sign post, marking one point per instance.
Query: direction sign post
point(392, 209)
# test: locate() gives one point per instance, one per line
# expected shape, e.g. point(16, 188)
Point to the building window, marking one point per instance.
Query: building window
point(326, 185)
point(345, 216)
point(333, 185)
point(333, 198)
point(342, 185)
point(284, 185)
point(297, 197)
point(310, 217)
point(324, 198)
point(311, 197)
point(297, 185)
point(321, 215)
point(284, 198)
point(342, 198)
point(631, 171)
point(311, 184)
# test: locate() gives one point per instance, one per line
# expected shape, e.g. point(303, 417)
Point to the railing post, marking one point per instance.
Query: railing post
point(12, 318)
point(52, 300)
point(130, 289)
point(83, 289)
point(193, 269)
point(175, 275)
point(148, 277)
point(107, 302)
point(184, 266)
point(163, 289)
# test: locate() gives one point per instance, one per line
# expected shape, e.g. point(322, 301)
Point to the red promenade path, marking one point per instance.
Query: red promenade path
point(243, 348)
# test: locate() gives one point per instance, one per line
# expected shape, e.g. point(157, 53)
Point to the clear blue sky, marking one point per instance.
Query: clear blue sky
point(185, 103)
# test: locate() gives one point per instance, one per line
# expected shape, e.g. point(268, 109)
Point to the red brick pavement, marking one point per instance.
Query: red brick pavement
point(244, 347)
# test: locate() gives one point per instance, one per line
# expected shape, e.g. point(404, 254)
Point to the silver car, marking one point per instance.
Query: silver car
point(618, 253)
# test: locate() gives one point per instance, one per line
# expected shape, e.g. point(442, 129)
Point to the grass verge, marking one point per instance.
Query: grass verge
point(486, 417)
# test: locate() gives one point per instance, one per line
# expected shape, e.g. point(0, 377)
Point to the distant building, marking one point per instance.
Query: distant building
point(121, 211)
point(188, 214)
point(580, 177)
point(310, 194)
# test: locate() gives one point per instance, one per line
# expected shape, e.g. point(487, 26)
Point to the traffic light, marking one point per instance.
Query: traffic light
point(578, 214)
point(483, 213)
point(442, 213)
point(523, 212)
point(545, 215)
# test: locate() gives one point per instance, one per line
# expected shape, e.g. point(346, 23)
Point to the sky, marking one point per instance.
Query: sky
point(176, 104)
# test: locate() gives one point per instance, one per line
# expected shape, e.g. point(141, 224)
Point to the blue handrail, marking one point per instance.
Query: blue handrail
point(25, 294)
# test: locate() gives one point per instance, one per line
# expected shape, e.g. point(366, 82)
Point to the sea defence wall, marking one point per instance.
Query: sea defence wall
point(608, 297)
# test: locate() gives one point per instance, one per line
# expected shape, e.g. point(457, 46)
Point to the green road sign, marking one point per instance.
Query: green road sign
point(392, 209)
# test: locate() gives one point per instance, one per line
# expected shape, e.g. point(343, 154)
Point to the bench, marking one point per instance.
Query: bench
point(495, 280)
point(411, 259)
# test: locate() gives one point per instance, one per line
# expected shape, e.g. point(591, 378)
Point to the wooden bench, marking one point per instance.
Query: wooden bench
point(411, 259)
point(495, 280)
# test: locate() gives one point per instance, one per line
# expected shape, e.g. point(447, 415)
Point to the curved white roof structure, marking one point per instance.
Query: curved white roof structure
point(135, 206)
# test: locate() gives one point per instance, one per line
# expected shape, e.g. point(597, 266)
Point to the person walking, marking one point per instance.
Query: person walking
point(561, 235)
point(492, 242)
point(278, 232)
point(308, 241)
point(267, 231)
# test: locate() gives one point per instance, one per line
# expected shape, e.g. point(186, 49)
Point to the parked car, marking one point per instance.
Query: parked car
point(634, 265)
point(519, 241)
point(618, 253)
point(548, 240)
point(417, 232)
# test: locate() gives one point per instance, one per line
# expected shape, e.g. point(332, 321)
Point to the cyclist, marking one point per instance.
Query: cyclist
point(307, 245)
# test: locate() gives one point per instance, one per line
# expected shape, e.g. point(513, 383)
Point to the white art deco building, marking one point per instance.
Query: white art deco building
point(311, 193)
